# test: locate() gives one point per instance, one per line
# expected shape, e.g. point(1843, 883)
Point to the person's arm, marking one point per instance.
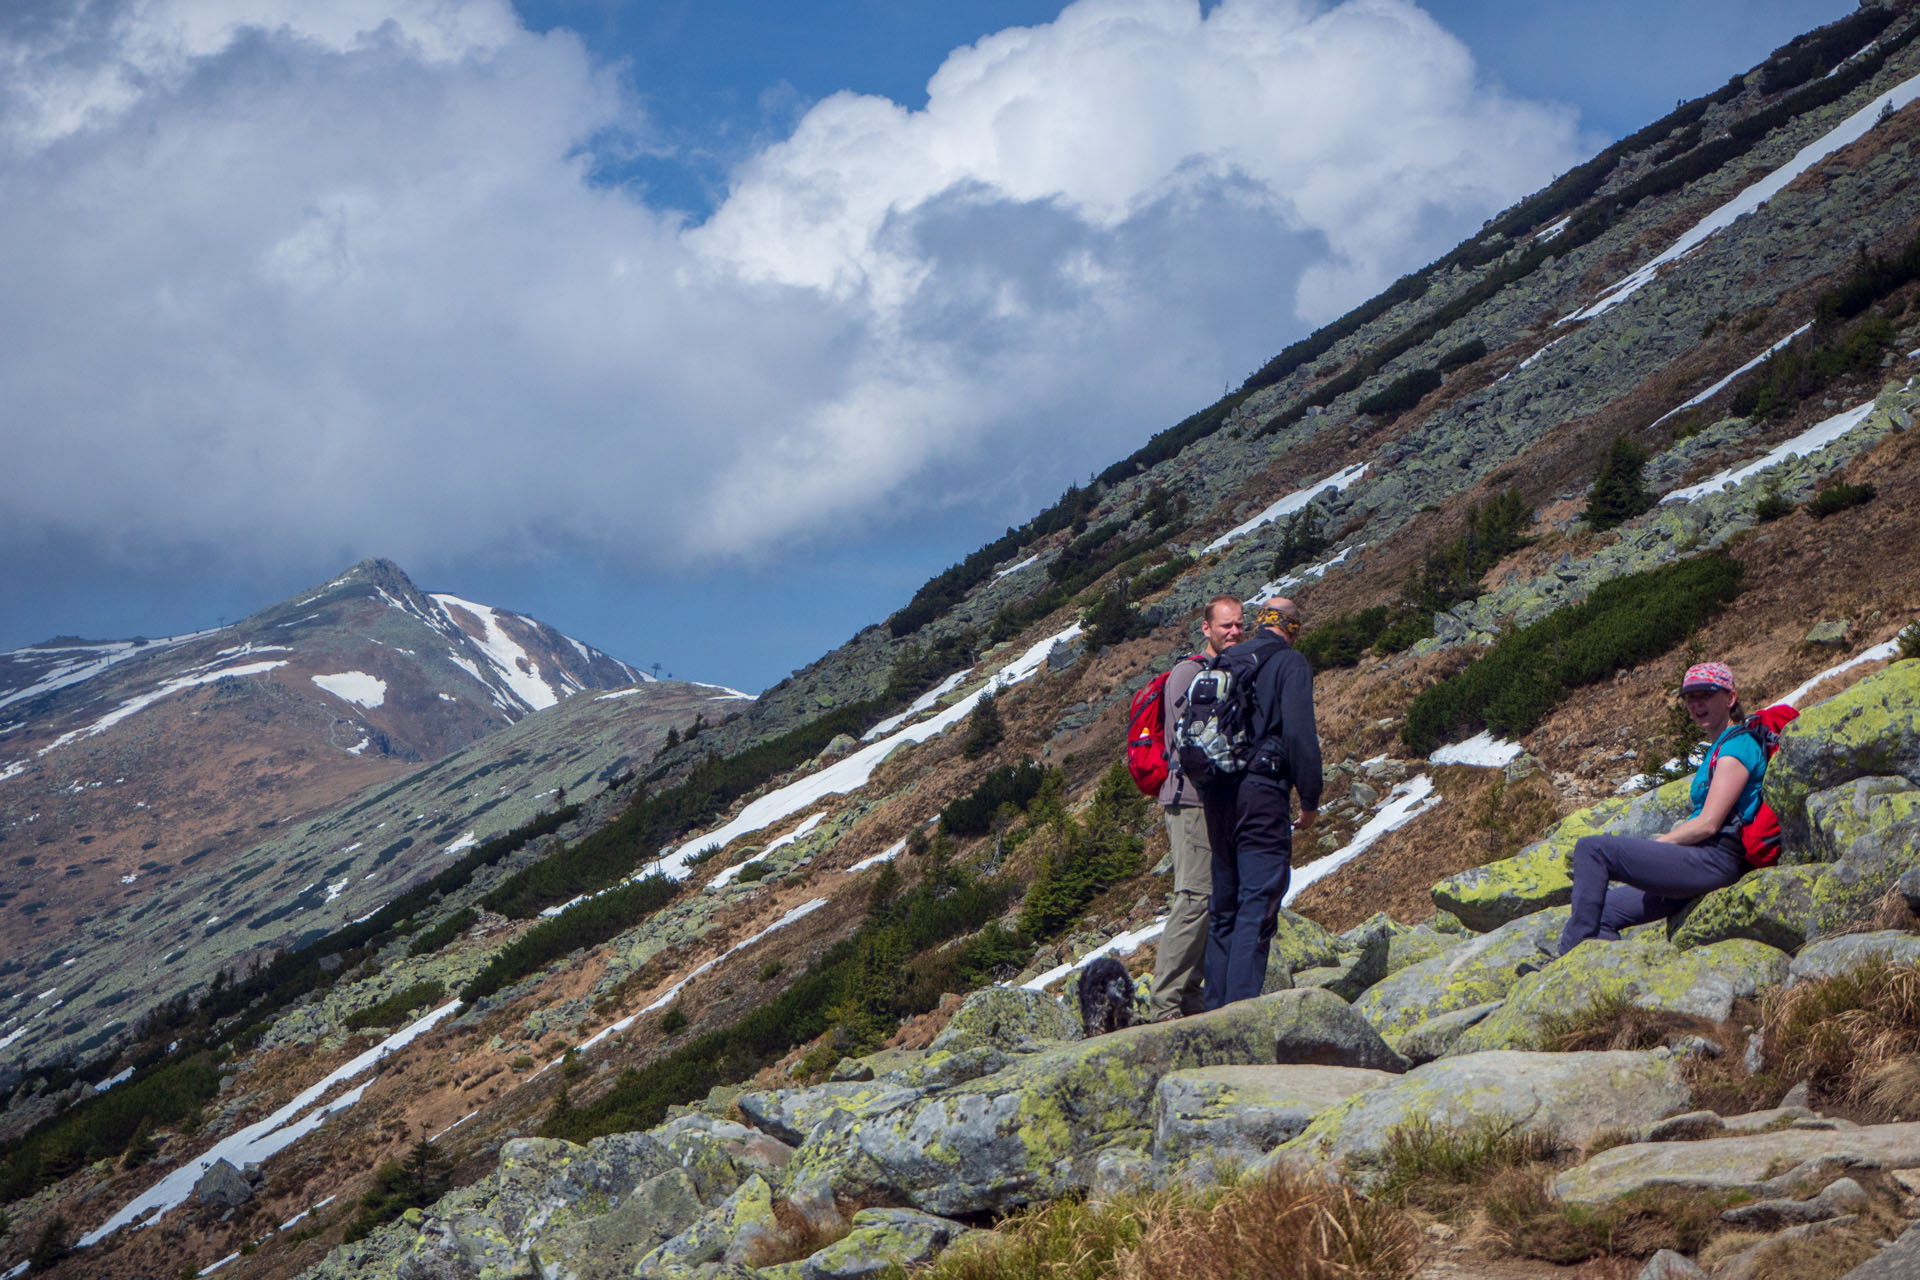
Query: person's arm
point(1299, 735)
point(1729, 776)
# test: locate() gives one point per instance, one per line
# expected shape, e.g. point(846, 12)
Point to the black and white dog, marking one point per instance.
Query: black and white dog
point(1106, 997)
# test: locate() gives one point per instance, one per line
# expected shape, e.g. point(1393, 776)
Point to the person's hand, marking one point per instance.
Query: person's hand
point(1306, 820)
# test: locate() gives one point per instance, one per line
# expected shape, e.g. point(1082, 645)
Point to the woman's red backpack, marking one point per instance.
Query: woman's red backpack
point(1761, 837)
point(1147, 735)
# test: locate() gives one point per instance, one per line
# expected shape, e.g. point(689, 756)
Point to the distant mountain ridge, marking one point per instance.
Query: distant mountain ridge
point(124, 763)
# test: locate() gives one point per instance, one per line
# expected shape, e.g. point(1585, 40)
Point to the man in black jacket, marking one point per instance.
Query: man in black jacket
point(1249, 818)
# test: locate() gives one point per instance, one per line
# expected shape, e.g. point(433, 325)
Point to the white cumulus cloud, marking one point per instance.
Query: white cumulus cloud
point(285, 276)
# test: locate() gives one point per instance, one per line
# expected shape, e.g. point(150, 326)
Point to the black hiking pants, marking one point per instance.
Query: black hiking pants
point(1250, 826)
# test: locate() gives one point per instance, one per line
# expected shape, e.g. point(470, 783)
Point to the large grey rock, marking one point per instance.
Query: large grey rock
point(1870, 730)
point(1831, 957)
point(1436, 1037)
point(1668, 1265)
point(881, 1240)
point(1642, 971)
point(1477, 972)
point(1012, 1019)
point(1244, 1112)
point(223, 1185)
point(1760, 1164)
point(1898, 1261)
point(738, 1230)
point(717, 1154)
point(1870, 830)
point(1412, 946)
point(1571, 1095)
point(1539, 876)
point(791, 1114)
point(1841, 1196)
point(1032, 1131)
point(1300, 943)
point(1773, 905)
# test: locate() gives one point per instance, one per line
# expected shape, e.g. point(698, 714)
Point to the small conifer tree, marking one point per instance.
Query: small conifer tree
point(1618, 493)
point(985, 729)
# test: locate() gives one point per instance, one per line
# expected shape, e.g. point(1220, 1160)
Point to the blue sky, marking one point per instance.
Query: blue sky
point(705, 331)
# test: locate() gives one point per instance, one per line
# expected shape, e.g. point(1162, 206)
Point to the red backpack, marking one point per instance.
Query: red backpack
point(1762, 836)
point(1147, 733)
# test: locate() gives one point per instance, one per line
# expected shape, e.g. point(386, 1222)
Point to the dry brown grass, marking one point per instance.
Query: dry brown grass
point(1285, 1226)
point(1853, 1036)
point(799, 1236)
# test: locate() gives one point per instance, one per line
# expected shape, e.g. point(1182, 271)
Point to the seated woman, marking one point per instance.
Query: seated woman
point(1653, 879)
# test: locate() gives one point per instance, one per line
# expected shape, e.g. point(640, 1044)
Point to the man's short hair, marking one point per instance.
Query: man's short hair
point(1207, 613)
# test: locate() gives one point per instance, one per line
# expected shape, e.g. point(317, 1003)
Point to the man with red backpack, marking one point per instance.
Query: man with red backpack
point(1177, 967)
point(1621, 881)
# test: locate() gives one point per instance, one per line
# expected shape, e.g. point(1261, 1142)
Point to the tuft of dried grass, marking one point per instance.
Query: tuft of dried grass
point(1611, 1023)
point(1284, 1226)
point(1848, 1034)
point(1428, 1164)
point(799, 1236)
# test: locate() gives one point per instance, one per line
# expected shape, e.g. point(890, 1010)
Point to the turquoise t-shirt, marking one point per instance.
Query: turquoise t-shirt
point(1737, 744)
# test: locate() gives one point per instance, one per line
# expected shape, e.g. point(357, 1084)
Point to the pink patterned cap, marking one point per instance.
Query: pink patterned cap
point(1703, 677)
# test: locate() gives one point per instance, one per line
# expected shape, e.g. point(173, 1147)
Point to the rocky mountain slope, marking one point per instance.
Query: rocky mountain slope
point(157, 804)
point(1661, 408)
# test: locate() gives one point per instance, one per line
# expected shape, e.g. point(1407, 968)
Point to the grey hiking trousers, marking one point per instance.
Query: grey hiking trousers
point(1650, 881)
point(1183, 945)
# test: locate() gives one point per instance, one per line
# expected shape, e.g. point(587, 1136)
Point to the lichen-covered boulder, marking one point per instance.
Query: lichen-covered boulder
point(738, 1230)
point(618, 1197)
point(1772, 905)
point(1300, 943)
point(944, 1068)
point(1870, 828)
point(881, 1240)
point(1476, 972)
point(1538, 876)
point(1032, 1131)
point(1573, 1096)
point(791, 1114)
point(1243, 1112)
point(609, 1244)
point(1831, 957)
point(1421, 942)
point(1011, 1019)
point(719, 1154)
point(1870, 730)
point(1435, 1037)
point(1760, 1164)
point(1643, 970)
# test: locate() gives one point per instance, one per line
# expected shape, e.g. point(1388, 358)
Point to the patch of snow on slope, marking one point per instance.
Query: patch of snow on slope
point(95, 659)
point(1124, 945)
point(732, 873)
point(891, 852)
point(922, 703)
point(725, 692)
point(167, 688)
point(1848, 131)
point(264, 1138)
point(1291, 503)
point(1308, 574)
point(1875, 654)
point(1529, 360)
point(1812, 440)
point(1404, 803)
point(466, 841)
point(1721, 385)
point(1015, 568)
point(506, 655)
point(800, 912)
point(13, 770)
point(618, 693)
point(852, 771)
point(356, 687)
point(1482, 749)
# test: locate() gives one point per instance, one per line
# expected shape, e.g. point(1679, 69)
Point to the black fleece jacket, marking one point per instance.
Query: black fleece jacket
point(1282, 726)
